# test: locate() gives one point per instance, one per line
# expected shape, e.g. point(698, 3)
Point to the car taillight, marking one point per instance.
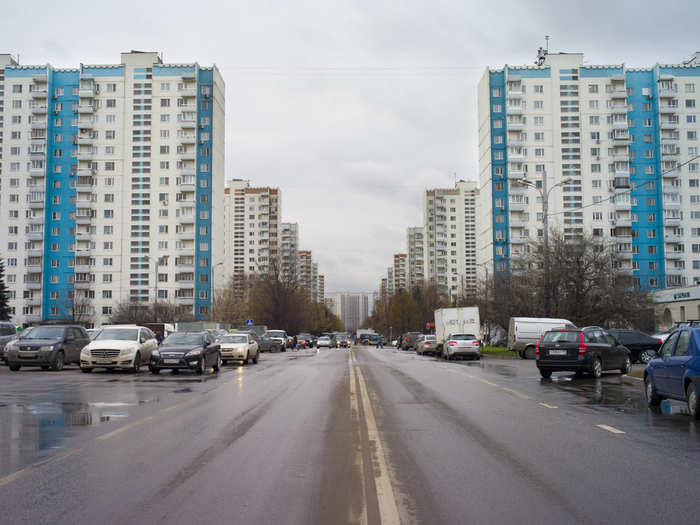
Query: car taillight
point(451, 343)
point(475, 342)
point(659, 341)
point(582, 347)
point(537, 346)
point(426, 343)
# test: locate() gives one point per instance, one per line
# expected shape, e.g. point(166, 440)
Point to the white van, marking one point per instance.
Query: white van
point(524, 332)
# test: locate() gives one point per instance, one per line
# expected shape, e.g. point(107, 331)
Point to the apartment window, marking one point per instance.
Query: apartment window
point(109, 150)
point(539, 104)
point(164, 150)
point(109, 166)
point(539, 136)
point(165, 118)
point(498, 108)
point(692, 135)
point(651, 234)
point(497, 124)
point(111, 103)
point(539, 121)
point(110, 119)
point(111, 88)
point(164, 181)
point(690, 88)
point(690, 103)
point(651, 250)
point(108, 245)
point(539, 152)
point(593, 88)
point(690, 119)
point(165, 102)
point(110, 134)
point(496, 92)
point(164, 165)
point(17, 88)
point(594, 120)
point(646, 122)
point(592, 104)
point(108, 230)
point(165, 86)
point(164, 133)
point(109, 214)
point(539, 88)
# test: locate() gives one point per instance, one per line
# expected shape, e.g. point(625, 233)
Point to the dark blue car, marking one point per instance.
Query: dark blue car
point(675, 373)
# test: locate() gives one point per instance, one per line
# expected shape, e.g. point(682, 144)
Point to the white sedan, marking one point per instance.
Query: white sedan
point(323, 341)
point(119, 346)
point(239, 347)
point(461, 345)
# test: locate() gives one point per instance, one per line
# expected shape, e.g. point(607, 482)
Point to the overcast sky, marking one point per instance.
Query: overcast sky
point(351, 108)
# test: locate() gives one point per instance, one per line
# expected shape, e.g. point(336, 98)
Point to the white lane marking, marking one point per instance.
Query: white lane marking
point(355, 412)
point(26, 470)
point(547, 405)
point(611, 429)
point(124, 428)
point(388, 511)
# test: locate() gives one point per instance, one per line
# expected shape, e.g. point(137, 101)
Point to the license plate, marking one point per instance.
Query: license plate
point(171, 361)
point(103, 361)
point(557, 352)
point(27, 354)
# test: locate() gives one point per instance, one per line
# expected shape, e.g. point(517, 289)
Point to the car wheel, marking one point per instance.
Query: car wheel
point(217, 365)
point(645, 356)
point(522, 354)
point(529, 352)
point(545, 373)
point(58, 362)
point(691, 395)
point(626, 366)
point(14, 368)
point(137, 364)
point(86, 370)
point(653, 399)
point(202, 366)
point(597, 369)
point(155, 371)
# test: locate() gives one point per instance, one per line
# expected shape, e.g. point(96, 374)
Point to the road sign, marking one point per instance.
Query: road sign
point(249, 322)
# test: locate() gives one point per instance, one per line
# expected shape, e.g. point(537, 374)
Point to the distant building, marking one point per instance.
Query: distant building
point(415, 242)
point(351, 308)
point(400, 272)
point(305, 272)
point(289, 251)
point(390, 280)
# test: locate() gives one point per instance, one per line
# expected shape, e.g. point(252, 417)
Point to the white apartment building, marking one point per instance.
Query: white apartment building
point(400, 272)
point(112, 184)
point(415, 243)
point(617, 149)
point(314, 282)
point(289, 251)
point(352, 309)
point(390, 280)
point(449, 224)
point(252, 230)
point(306, 271)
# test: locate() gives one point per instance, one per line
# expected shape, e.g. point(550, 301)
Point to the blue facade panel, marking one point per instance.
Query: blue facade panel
point(203, 260)
point(499, 172)
point(173, 71)
point(59, 223)
point(599, 72)
point(103, 71)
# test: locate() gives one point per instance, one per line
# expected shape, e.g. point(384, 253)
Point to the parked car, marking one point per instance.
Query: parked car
point(642, 347)
point(323, 341)
point(409, 340)
point(93, 332)
point(342, 341)
point(427, 344)
point(8, 332)
point(119, 346)
point(48, 346)
point(580, 350)
point(661, 336)
point(675, 373)
point(273, 341)
point(239, 347)
point(187, 351)
point(524, 332)
point(461, 345)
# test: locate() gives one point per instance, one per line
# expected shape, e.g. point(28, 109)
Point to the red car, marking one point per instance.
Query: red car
point(304, 340)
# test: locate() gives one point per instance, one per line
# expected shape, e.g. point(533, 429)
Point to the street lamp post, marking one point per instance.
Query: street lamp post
point(544, 193)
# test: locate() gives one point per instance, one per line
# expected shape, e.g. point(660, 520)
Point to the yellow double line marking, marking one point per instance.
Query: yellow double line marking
point(31, 468)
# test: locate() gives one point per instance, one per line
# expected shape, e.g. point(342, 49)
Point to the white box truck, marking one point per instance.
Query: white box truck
point(452, 321)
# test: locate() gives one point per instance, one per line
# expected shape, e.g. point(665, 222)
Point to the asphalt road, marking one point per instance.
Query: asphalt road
point(338, 436)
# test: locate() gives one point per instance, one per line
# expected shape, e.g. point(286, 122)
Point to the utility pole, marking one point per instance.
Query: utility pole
point(545, 220)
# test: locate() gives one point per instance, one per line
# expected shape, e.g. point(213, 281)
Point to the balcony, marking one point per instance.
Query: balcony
point(667, 92)
point(83, 251)
point(38, 125)
point(672, 270)
point(39, 94)
point(515, 125)
point(37, 172)
point(34, 268)
point(673, 238)
point(86, 124)
point(36, 154)
point(188, 139)
point(84, 204)
point(668, 109)
point(187, 120)
point(187, 107)
point(516, 155)
point(518, 239)
point(669, 124)
point(674, 255)
point(623, 206)
point(186, 219)
point(518, 222)
point(187, 92)
point(186, 204)
point(85, 155)
point(669, 139)
point(187, 171)
point(83, 218)
point(185, 301)
point(625, 254)
point(83, 235)
point(33, 301)
point(672, 221)
point(518, 206)
point(40, 78)
point(37, 140)
point(620, 157)
point(86, 141)
point(32, 318)
point(618, 109)
point(515, 141)
point(514, 110)
point(186, 236)
point(36, 220)
point(33, 285)
point(83, 285)
point(188, 187)
point(667, 152)
point(619, 93)
point(187, 156)
point(36, 202)
point(39, 110)
point(672, 173)
point(86, 109)
point(516, 174)
point(82, 268)
point(35, 235)
point(83, 186)
point(671, 202)
point(625, 270)
point(624, 222)
point(87, 92)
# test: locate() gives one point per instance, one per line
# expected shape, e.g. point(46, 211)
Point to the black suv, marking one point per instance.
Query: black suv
point(590, 349)
point(47, 346)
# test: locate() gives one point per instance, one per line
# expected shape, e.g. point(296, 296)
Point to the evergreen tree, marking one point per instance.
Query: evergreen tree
point(4, 300)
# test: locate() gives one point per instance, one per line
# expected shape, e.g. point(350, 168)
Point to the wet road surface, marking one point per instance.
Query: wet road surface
point(337, 436)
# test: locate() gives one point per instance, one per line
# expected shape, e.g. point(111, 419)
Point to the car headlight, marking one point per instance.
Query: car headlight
point(127, 351)
point(10, 347)
point(193, 353)
point(46, 348)
point(155, 353)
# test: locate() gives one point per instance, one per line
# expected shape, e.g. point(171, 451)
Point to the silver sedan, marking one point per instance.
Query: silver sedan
point(462, 345)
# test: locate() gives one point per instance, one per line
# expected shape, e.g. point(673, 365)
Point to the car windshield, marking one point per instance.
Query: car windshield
point(234, 339)
point(561, 337)
point(324, 338)
point(183, 338)
point(118, 334)
point(430, 338)
point(45, 332)
point(275, 333)
point(463, 337)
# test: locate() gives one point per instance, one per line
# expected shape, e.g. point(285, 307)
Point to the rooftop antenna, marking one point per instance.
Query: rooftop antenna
point(542, 52)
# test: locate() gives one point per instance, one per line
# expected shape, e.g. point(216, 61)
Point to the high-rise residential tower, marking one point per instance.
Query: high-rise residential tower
point(617, 150)
point(400, 272)
point(289, 251)
point(351, 308)
point(450, 237)
point(112, 190)
point(416, 252)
